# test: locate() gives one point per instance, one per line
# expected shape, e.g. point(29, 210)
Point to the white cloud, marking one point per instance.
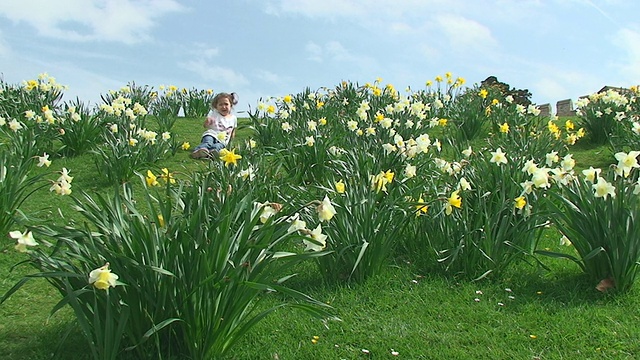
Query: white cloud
point(215, 74)
point(268, 76)
point(124, 21)
point(5, 49)
point(332, 51)
point(464, 33)
point(204, 50)
point(629, 41)
point(312, 8)
point(315, 51)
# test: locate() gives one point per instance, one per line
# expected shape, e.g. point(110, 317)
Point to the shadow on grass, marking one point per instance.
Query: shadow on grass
point(46, 343)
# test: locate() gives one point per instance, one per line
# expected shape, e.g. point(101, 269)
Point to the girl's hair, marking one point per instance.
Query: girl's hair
point(232, 97)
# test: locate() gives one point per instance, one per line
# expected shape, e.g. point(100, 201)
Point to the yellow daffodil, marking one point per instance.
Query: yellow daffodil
point(161, 220)
point(422, 206)
point(102, 278)
point(229, 157)
point(520, 202)
point(151, 179)
point(185, 146)
point(568, 125)
point(167, 176)
point(389, 175)
point(453, 201)
point(340, 187)
point(483, 93)
point(504, 128)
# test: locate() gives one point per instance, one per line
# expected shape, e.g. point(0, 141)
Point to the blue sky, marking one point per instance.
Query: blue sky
point(557, 49)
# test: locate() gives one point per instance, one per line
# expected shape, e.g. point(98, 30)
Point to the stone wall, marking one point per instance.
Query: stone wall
point(565, 108)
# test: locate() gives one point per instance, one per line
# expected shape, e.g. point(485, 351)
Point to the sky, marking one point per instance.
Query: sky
point(557, 49)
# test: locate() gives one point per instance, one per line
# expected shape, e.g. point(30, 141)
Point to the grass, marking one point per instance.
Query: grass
point(554, 314)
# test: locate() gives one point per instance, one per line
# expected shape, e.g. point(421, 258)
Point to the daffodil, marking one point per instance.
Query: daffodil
point(453, 201)
point(319, 240)
point(504, 128)
point(552, 158)
point(626, 162)
point(14, 125)
point(568, 125)
point(540, 178)
point(24, 239)
point(520, 202)
point(463, 184)
point(151, 179)
point(340, 187)
point(326, 211)
point(498, 157)
point(167, 176)
point(309, 141)
point(422, 206)
point(102, 278)
point(185, 146)
point(44, 160)
point(603, 188)
point(267, 212)
point(389, 175)
point(297, 225)
point(591, 174)
point(568, 162)
point(467, 152)
point(530, 167)
point(410, 171)
point(229, 157)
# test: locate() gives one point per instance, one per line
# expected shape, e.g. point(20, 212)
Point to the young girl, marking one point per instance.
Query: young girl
point(220, 124)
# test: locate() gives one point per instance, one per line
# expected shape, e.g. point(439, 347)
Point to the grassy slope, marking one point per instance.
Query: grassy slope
point(418, 314)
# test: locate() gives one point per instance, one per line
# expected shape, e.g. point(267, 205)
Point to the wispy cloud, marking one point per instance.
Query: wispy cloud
point(123, 21)
point(215, 74)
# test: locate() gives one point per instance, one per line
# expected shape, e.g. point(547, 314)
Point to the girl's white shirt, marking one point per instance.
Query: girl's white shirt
point(220, 124)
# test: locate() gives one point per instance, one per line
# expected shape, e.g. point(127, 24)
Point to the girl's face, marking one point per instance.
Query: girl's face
point(223, 106)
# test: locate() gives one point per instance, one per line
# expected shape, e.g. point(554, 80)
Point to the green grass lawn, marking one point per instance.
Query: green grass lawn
point(530, 313)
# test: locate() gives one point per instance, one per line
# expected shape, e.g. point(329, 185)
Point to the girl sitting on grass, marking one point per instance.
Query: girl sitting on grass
point(220, 124)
